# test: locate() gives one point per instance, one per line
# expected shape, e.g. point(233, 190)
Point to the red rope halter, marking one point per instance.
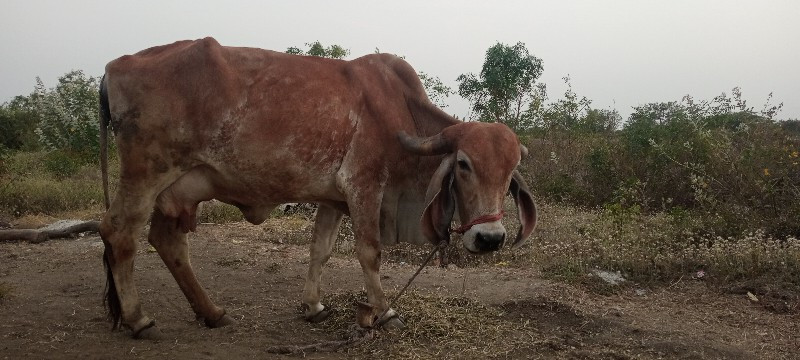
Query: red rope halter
point(479, 220)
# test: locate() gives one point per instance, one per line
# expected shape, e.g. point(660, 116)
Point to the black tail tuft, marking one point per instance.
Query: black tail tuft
point(111, 298)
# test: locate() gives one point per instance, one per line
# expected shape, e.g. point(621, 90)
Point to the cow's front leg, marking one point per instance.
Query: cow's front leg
point(366, 228)
point(326, 225)
point(378, 311)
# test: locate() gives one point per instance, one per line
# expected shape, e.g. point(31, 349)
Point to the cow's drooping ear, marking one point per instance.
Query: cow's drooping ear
point(441, 203)
point(526, 208)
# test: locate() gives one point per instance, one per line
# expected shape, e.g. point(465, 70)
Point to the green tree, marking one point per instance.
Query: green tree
point(317, 49)
point(572, 113)
point(437, 91)
point(505, 86)
point(68, 117)
point(18, 122)
point(735, 166)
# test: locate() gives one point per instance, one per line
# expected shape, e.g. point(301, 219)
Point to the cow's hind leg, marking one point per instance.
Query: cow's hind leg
point(119, 229)
point(169, 240)
point(326, 226)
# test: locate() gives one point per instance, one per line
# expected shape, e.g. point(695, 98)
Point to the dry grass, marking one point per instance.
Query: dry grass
point(436, 327)
point(41, 195)
point(29, 187)
point(570, 242)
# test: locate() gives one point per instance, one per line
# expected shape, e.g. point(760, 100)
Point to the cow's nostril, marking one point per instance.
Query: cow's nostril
point(489, 242)
point(479, 240)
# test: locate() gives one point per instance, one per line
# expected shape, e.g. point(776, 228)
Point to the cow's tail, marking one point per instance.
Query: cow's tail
point(111, 297)
point(105, 119)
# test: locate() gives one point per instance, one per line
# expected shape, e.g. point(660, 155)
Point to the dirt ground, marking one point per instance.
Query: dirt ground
point(51, 293)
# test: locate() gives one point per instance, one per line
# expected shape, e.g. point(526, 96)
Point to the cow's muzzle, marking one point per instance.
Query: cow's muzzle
point(484, 236)
point(486, 242)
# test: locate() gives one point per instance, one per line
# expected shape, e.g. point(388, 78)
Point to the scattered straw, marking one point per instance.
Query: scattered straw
point(440, 326)
point(356, 336)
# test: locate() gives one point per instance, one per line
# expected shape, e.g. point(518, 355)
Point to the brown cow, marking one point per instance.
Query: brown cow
point(196, 121)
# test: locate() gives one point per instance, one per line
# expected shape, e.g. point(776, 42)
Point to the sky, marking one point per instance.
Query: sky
point(619, 54)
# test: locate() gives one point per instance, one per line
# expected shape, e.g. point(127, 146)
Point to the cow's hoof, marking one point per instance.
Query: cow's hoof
point(394, 323)
point(390, 320)
point(225, 320)
point(365, 315)
point(320, 316)
point(149, 332)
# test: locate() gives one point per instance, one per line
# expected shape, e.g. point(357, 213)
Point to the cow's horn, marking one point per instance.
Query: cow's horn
point(433, 145)
point(523, 151)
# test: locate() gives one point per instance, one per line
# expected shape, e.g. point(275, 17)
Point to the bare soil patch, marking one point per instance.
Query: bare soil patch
point(51, 294)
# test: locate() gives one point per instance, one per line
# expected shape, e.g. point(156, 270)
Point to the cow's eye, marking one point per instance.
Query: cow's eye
point(463, 165)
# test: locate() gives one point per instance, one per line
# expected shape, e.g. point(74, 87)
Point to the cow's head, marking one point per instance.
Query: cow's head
point(479, 168)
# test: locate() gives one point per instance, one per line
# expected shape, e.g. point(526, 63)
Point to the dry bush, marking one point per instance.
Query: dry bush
point(570, 242)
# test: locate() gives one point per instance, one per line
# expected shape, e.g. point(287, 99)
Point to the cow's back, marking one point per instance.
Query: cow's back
point(277, 127)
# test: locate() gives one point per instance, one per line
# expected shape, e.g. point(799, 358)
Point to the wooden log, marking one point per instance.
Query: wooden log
point(37, 235)
point(31, 235)
point(86, 226)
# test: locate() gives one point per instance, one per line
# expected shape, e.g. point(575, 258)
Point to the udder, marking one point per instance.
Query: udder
point(180, 199)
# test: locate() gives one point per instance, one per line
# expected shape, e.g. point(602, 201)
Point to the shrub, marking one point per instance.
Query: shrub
point(61, 164)
point(735, 168)
point(68, 114)
point(18, 122)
